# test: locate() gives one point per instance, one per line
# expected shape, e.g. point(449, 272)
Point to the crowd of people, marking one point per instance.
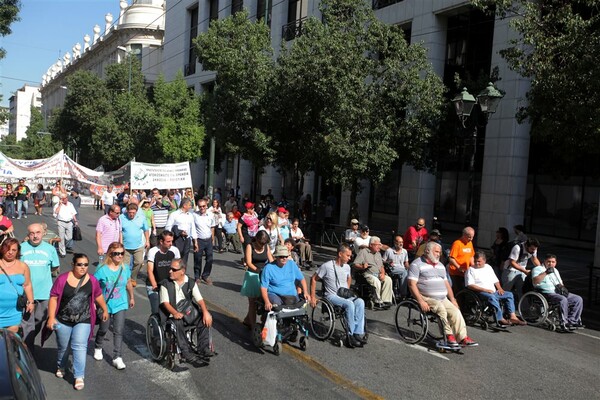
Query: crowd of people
point(156, 231)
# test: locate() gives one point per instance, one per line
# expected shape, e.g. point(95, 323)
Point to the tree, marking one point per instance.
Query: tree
point(240, 52)
point(10, 147)
point(355, 97)
point(558, 48)
point(37, 143)
point(180, 135)
point(9, 13)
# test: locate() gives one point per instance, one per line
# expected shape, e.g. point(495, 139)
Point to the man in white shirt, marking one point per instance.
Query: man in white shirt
point(66, 216)
point(204, 224)
point(108, 199)
point(397, 258)
point(181, 223)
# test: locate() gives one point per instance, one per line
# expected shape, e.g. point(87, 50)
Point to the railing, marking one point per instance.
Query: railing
point(325, 234)
point(292, 29)
point(378, 4)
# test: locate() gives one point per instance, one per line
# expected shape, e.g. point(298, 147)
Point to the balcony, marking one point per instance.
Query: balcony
point(293, 29)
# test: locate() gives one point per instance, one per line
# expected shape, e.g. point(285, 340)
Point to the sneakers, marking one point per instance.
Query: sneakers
point(451, 340)
point(118, 363)
point(467, 341)
point(98, 355)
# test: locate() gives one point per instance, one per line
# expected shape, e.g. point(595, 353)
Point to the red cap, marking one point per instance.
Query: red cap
point(282, 210)
point(249, 204)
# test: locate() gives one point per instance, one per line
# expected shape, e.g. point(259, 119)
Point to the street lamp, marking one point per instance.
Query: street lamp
point(464, 105)
point(129, 54)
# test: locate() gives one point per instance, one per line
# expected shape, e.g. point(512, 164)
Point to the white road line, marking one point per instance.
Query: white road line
point(588, 335)
point(179, 384)
point(417, 347)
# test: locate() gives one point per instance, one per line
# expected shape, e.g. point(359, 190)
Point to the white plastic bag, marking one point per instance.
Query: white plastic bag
point(269, 333)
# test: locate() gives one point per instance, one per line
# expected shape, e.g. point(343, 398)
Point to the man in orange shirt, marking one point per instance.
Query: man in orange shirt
point(461, 258)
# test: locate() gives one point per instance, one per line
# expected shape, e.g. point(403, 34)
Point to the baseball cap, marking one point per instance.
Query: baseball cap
point(249, 204)
point(281, 210)
point(354, 221)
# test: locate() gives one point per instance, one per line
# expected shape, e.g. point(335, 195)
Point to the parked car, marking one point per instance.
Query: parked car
point(19, 375)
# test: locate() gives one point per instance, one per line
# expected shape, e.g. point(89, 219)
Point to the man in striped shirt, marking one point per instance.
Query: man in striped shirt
point(108, 229)
point(430, 288)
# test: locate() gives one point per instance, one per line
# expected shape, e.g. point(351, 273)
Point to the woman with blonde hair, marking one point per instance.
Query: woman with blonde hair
point(271, 225)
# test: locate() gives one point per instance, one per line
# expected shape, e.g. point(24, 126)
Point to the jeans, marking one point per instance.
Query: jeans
point(32, 324)
point(204, 246)
point(118, 325)
point(573, 315)
point(78, 335)
point(153, 298)
point(494, 301)
point(513, 279)
point(276, 299)
point(22, 205)
point(355, 313)
point(400, 275)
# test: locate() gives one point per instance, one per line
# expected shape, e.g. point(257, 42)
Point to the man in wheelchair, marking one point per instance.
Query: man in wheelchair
point(369, 263)
point(429, 286)
point(481, 279)
point(173, 292)
point(336, 275)
point(547, 280)
point(278, 280)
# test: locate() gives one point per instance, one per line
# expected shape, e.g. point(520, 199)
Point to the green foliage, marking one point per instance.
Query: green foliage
point(354, 96)
point(240, 51)
point(180, 135)
point(10, 147)
point(37, 144)
point(9, 13)
point(558, 48)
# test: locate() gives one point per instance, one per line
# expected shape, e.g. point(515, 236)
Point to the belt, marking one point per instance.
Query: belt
point(66, 222)
point(208, 238)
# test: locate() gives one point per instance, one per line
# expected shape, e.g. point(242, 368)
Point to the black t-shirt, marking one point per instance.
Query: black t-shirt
point(74, 307)
point(162, 264)
point(22, 192)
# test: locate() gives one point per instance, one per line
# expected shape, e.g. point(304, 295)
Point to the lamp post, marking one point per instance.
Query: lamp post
point(129, 54)
point(464, 105)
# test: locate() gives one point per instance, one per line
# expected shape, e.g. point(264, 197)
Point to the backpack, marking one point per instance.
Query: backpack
point(522, 252)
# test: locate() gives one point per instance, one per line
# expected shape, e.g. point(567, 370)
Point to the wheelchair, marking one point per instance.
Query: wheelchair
point(363, 289)
point(535, 308)
point(322, 322)
point(291, 325)
point(161, 340)
point(477, 311)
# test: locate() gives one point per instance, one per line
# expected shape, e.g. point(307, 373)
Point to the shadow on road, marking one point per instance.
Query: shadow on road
point(229, 286)
point(232, 330)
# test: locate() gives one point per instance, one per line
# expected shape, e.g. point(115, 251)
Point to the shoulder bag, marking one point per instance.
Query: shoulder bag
point(188, 307)
point(344, 293)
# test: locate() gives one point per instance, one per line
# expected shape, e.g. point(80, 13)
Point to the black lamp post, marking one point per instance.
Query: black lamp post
point(464, 105)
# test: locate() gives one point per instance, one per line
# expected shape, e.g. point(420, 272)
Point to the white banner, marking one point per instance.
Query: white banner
point(160, 176)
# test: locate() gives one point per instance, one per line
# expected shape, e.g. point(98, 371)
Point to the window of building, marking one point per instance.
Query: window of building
point(190, 66)
point(297, 14)
point(263, 9)
point(236, 6)
point(213, 13)
point(377, 4)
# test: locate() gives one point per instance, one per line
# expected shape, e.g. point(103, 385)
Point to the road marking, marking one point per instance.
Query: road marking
point(312, 363)
point(588, 335)
point(417, 347)
point(180, 384)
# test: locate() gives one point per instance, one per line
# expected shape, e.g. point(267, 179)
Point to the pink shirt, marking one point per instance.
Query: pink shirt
point(110, 229)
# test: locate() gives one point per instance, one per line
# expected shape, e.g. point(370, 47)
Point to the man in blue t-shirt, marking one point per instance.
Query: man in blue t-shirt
point(136, 238)
point(42, 258)
point(278, 280)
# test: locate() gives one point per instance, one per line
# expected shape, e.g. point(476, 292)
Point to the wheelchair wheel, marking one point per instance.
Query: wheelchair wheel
point(533, 308)
point(171, 351)
point(257, 336)
point(155, 338)
point(435, 327)
point(470, 306)
point(322, 320)
point(411, 323)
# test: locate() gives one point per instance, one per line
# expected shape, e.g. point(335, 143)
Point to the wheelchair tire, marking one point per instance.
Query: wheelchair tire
point(155, 338)
point(257, 336)
point(322, 320)
point(435, 327)
point(411, 323)
point(471, 306)
point(533, 308)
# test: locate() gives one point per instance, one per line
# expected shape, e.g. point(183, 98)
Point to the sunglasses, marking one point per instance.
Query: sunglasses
point(117, 253)
point(82, 264)
point(282, 256)
point(175, 269)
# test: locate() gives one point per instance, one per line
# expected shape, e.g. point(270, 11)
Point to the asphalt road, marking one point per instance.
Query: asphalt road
point(528, 362)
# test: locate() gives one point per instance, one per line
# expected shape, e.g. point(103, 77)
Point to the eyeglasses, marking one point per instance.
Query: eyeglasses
point(202, 206)
point(421, 225)
point(282, 256)
point(175, 269)
point(117, 253)
point(82, 264)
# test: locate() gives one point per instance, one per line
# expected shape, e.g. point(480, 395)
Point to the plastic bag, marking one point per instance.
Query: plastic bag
point(269, 333)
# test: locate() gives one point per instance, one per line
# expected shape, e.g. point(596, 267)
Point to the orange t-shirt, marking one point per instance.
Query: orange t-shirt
point(462, 253)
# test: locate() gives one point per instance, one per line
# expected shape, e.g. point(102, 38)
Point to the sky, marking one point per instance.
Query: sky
point(46, 31)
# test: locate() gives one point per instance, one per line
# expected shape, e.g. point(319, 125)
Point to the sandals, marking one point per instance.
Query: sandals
point(60, 373)
point(79, 385)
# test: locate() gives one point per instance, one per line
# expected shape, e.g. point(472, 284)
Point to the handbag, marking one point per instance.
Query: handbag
point(77, 233)
point(562, 290)
point(344, 293)
point(22, 298)
point(188, 308)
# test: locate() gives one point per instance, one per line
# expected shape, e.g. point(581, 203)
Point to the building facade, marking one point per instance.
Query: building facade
point(137, 31)
point(20, 104)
